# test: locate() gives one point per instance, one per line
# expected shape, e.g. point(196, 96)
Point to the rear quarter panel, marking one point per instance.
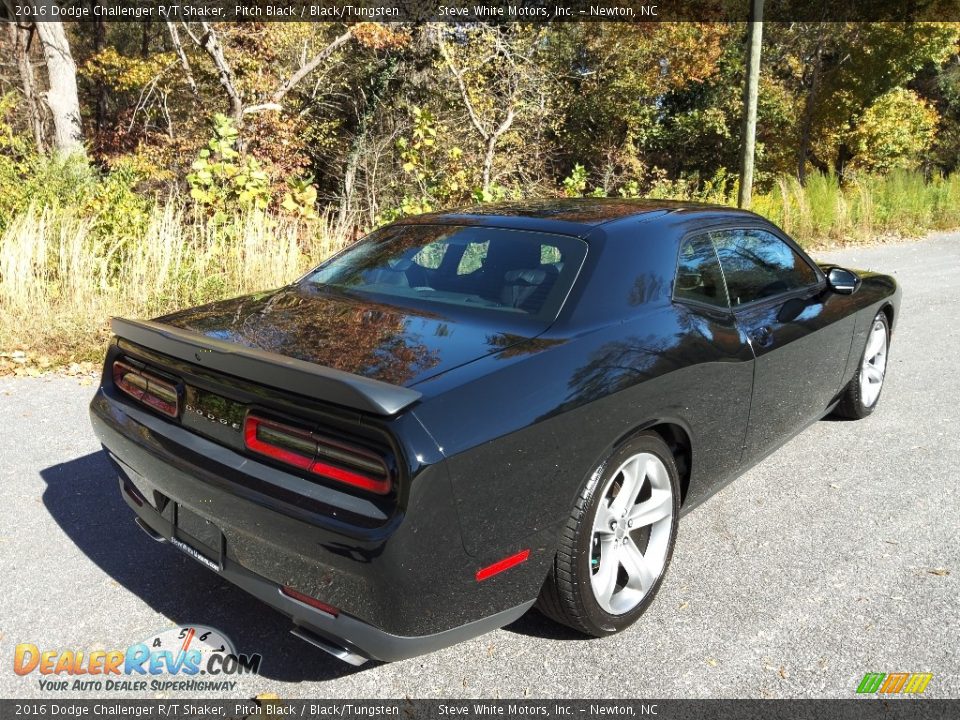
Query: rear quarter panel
point(523, 429)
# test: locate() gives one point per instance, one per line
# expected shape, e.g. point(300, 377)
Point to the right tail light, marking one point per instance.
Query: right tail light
point(318, 454)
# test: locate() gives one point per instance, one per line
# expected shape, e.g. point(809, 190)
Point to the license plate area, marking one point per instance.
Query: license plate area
point(197, 537)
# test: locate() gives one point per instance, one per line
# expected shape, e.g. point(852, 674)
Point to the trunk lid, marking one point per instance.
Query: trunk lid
point(388, 343)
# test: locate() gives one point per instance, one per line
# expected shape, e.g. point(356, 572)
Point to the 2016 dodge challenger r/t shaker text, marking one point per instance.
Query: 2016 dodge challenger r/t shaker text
point(469, 413)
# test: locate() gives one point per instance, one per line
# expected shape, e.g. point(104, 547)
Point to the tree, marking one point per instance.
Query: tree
point(62, 96)
point(838, 70)
point(497, 77)
point(615, 80)
point(20, 38)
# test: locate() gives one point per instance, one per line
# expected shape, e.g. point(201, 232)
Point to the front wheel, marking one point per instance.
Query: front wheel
point(617, 542)
point(861, 396)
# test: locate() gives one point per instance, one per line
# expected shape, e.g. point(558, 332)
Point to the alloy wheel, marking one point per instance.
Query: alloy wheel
point(631, 533)
point(874, 364)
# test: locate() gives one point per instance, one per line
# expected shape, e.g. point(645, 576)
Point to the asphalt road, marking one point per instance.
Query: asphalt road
point(838, 555)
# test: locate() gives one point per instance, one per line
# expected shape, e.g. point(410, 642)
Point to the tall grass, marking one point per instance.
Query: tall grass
point(62, 276)
point(824, 212)
point(60, 282)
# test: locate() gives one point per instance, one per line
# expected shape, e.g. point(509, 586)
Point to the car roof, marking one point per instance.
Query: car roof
point(573, 216)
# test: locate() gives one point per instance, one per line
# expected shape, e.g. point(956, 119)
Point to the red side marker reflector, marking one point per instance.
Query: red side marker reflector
point(307, 600)
point(501, 565)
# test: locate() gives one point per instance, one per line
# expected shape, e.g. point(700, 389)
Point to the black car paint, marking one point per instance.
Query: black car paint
point(508, 425)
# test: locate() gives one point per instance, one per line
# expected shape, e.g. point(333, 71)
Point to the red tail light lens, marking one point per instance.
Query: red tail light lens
point(317, 454)
point(311, 601)
point(147, 388)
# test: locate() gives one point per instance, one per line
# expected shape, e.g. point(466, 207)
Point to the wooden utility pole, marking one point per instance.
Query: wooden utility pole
point(750, 88)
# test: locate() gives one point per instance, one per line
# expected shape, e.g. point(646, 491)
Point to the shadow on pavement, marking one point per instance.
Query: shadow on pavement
point(83, 497)
point(535, 624)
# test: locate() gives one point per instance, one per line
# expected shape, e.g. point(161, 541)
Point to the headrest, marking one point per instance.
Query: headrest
point(525, 277)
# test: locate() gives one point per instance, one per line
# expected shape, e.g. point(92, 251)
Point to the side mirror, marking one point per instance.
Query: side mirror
point(844, 282)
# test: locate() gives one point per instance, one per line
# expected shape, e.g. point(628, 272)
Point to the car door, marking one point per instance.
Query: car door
point(718, 387)
point(799, 338)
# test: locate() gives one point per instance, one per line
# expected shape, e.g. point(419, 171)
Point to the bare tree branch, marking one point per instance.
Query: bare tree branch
point(458, 76)
point(184, 62)
point(312, 65)
point(20, 36)
point(211, 45)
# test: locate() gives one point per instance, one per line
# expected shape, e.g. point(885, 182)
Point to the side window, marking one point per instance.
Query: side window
point(757, 264)
point(698, 273)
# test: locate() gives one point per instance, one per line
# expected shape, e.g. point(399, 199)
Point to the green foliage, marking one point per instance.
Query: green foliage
point(433, 168)
point(301, 198)
point(575, 184)
point(224, 181)
point(896, 131)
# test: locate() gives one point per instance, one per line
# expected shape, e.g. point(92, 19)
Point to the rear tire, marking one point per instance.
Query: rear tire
point(617, 543)
point(861, 397)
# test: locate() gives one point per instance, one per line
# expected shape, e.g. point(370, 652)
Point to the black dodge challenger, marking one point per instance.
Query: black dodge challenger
point(467, 413)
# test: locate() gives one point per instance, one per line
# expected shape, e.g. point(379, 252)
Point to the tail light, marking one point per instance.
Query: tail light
point(317, 454)
point(147, 388)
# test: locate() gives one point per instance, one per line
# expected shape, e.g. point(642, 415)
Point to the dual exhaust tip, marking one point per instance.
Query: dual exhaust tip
point(338, 651)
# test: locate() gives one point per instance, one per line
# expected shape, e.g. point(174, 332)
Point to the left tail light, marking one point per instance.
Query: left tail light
point(318, 454)
point(144, 386)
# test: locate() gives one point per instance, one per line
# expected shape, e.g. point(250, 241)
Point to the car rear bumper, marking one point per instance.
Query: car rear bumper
point(403, 587)
point(343, 636)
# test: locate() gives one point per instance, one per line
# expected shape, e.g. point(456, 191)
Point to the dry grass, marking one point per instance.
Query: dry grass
point(62, 277)
point(824, 214)
point(60, 283)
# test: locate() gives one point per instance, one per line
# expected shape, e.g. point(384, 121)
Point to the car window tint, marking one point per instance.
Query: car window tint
point(698, 273)
point(757, 264)
point(477, 268)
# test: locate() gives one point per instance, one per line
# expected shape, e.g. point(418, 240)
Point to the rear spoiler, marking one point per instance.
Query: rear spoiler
point(267, 368)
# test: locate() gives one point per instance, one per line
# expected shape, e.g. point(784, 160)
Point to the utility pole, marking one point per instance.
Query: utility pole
point(750, 88)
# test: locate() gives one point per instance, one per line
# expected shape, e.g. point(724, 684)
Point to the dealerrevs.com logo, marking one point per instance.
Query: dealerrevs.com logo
point(187, 658)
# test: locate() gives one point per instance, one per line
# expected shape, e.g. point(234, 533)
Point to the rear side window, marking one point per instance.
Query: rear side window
point(477, 268)
point(757, 264)
point(698, 273)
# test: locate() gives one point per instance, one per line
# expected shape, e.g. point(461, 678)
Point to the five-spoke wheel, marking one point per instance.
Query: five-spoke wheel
point(617, 543)
point(862, 394)
point(631, 533)
point(874, 363)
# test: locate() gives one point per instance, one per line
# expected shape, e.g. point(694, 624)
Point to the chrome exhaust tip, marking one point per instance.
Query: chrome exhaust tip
point(339, 652)
point(151, 533)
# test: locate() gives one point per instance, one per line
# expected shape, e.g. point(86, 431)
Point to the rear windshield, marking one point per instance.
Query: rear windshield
point(526, 274)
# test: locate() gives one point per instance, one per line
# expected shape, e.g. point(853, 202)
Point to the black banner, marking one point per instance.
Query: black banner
point(489, 11)
point(900, 708)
